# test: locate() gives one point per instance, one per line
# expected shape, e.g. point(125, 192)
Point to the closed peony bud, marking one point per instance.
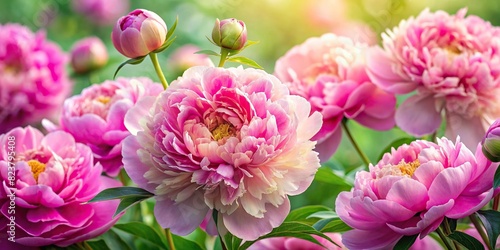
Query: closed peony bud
point(139, 33)
point(491, 142)
point(88, 54)
point(230, 34)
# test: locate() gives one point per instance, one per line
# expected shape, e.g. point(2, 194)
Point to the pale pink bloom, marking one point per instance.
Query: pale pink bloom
point(139, 33)
point(88, 54)
point(33, 80)
point(184, 58)
point(102, 12)
point(290, 243)
point(329, 71)
point(411, 190)
point(96, 117)
point(53, 179)
point(453, 63)
point(231, 140)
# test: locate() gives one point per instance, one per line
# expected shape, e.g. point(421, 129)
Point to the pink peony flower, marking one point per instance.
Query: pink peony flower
point(88, 54)
point(231, 140)
point(101, 12)
point(411, 190)
point(139, 33)
point(184, 58)
point(290, 243)
point(46, 181)
point(96, 117)
point(452, 62)
point(33, 80)
point(329, 71)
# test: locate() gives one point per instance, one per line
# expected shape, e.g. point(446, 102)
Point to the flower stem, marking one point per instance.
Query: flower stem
point(447, 231)
point(496, 202)
point(156, 64)
point(354, 144)
point(480, 230)
point(223, 56)
point(170, 240)
point(443, 238)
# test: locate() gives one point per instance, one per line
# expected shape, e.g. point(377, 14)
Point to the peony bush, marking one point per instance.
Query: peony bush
point(346, 143)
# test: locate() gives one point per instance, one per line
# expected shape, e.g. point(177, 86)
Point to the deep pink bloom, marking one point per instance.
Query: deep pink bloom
point(50, 178)
point(139, 33)
point(33, 80)
point(102, 12)
point(232, 140)
point(96, 117)
point(329, 71)
point(411, 190)
point(452, 62)
point(184, 58)
point(88, 54)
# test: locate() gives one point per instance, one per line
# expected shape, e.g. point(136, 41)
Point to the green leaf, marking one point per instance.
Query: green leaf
point(327, 175)
point(164, 46)
point(491, 222)
point(302, 214)
point(113, 241)
point(336, 226)
point(466, 240)
point(98, 244)
point(395, 144)
point(183, 243)
point(319, 225)
point(452, 223)
point(405, 242)
point(245, 60)
point(172, 29)
point(324, 215)
point(128, 202)
point(247, 44)
point(142, 231)
point(129, 61)
point(120, 193)
point(232, 242)
point(291, 229)
point(496, 179)
point(207, 52)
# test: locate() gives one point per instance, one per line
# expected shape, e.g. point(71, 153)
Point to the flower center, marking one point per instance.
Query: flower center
point(222, 130)
point(36, 168)
point(408, 168)
point(103, 99)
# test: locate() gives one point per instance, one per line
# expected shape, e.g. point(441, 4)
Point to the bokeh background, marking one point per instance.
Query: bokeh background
point(277, 24)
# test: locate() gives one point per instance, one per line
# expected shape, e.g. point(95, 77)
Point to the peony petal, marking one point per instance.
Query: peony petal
point(380, 238)
point(418, 115)
point(471, 131)
point(134, 119)
point(449, 184)
point(409, 193)
point(327, 147)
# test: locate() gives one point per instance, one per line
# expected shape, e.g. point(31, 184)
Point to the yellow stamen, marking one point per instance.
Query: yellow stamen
point(103, 99)
point(408, 168)
point(36, 168)
point(223, 130)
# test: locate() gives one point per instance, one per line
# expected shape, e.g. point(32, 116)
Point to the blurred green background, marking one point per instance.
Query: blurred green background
point(277, 24)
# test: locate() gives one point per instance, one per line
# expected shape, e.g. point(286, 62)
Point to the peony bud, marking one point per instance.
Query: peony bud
point(88, 54)
point(139, 33)
point(491, 142)
point(230, 34)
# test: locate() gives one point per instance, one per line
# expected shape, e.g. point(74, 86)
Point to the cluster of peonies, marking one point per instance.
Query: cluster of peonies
point(45, 184)
point(233, 144)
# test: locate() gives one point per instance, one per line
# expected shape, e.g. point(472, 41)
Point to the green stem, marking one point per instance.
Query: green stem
point(443, 238)
point(170, 240)
point(156, 64)
point(223, 56)
point(496, 202)
point(480, 230)
point(447, 231)
point(354, 144)
point(433, 136)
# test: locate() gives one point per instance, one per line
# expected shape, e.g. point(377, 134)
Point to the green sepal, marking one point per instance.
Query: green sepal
point(132, 61)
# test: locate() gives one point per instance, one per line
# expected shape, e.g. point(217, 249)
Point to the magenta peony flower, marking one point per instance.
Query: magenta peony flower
point(452, 63)
point(411, 190)
point(230, 140)
point(96, 117)
point(101, 12)
point(329, 71)
point(46, 182)
point(139, 33)
point(184, 58)
point(289, 243)
point(88, 54)
point(33, 80)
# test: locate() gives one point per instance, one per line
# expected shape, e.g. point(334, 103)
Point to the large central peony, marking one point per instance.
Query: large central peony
point(232, 140)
